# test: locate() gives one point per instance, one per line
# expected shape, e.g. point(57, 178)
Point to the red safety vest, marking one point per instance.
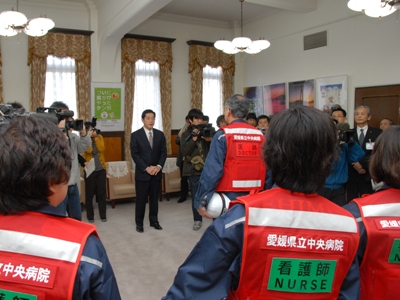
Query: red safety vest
point(296, 246)
point(244, 167)
point(40, 255)
point(380, 267)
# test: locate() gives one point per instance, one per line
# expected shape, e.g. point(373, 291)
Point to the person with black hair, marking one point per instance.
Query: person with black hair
point(95, 183)
point(378, 217)
point(221, 121)
point(251, 119)
point(149, 152)
point(47, 254)
point(194, 147)
point(286, 242)
point(263, 122)
point(179, 163)
point(206, 119)
point(78, 144)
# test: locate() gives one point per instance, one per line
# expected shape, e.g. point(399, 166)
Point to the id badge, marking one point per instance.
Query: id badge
point(369, 146)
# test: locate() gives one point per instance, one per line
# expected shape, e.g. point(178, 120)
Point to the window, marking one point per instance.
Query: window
point(212, 93)
point(147, 93)
point(60, 82)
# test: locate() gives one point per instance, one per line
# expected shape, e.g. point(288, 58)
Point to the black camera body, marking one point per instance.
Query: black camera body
point(93, 124)
point(205, 130)
point(61, 115)
point(346, 136)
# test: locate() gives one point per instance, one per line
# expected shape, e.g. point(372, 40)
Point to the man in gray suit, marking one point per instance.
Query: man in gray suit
point(149, 152)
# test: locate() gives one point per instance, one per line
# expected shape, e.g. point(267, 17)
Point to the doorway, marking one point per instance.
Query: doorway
point(384, 102)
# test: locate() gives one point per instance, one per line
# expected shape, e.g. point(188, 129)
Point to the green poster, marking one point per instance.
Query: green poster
point(301, 275)
point(107, 103)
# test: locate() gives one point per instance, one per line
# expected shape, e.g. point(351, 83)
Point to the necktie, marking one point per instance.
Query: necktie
point(361, 137)
point(151, 139)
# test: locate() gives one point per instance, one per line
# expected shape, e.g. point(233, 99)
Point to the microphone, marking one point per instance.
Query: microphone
point(343, 126)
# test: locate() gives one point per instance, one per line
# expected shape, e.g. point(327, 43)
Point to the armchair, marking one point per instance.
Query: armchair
point(171, 182)
point(120, 181)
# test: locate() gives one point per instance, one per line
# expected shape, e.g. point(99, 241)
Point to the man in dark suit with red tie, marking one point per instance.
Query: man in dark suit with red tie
point(359, 182)
point(149, 152)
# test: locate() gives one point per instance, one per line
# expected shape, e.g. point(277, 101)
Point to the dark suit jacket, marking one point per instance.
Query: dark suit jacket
point(143, 155)
point(371, 135)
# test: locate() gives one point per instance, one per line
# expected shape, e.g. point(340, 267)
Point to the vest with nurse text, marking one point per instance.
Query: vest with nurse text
point(244, 167)
point(380, 267)
point(40, 255)
point(296, 246)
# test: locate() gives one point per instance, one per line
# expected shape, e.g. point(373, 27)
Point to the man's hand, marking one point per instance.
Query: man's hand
point(358, 167)
point(203, 212)
point(153, 170)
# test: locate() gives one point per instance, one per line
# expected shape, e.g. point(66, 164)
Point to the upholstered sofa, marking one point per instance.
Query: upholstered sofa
point(171, 183)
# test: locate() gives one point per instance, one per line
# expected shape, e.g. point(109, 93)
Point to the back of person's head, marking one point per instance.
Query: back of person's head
point(195, 113)
point(239, 106)
point(300, 147)
point(385, 159)
point(59, 105)
point(206, 118)
point(34, 154)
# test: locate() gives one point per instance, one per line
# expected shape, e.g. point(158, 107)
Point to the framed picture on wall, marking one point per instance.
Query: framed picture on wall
point(331, 91)
point(274, 98)
point(254, 94)
point(301, 93)
point(107, 105)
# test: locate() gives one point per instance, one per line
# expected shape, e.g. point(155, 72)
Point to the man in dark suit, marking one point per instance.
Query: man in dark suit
point(359, 182)
point(149, 152)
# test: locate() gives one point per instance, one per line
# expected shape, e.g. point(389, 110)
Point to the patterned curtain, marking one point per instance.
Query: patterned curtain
point(199, 57)
point(61, 45)
point(1, 79)
point(161, 52)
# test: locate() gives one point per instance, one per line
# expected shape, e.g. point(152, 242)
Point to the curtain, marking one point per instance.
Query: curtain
point(147, 91)
point(199, 57)
point(60, 45)
point(60, 81)
point(212, 93)
point(161, 52)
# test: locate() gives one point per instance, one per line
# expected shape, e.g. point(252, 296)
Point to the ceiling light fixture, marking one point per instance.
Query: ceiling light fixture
point(374, 8)
point(242, 44)
point(13, 22)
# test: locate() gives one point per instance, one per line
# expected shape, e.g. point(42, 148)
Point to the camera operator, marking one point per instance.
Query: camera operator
point(349, 152)
point(95, 183)
point(194, 147)
point(78, 144)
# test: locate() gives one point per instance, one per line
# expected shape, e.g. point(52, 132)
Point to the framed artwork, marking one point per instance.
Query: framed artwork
point(301, 93)
point(331, 91)
point(254, 94)
point(274, 98)
point(107, 105)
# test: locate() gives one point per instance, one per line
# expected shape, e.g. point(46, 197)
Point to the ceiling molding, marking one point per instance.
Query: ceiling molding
point(190, 20)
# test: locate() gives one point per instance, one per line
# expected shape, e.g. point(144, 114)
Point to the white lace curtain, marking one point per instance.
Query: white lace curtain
point(147, 93)
point(60, 82)
point(212, 93)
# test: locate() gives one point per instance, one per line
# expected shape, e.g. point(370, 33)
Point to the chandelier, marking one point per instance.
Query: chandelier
point(242, 44)
point(374, 8)
point(13, 22)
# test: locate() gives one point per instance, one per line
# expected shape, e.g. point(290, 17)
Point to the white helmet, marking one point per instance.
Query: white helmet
point(218, 205)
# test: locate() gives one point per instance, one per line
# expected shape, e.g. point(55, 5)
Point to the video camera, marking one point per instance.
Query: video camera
point(345, 133)
point(93, 124)
point(205, 130)
point(61, 115)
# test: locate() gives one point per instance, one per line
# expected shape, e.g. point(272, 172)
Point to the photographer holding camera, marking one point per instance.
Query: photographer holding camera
point(195, 144)
point(95, 183)
point(78, 144)
point(349, 152)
